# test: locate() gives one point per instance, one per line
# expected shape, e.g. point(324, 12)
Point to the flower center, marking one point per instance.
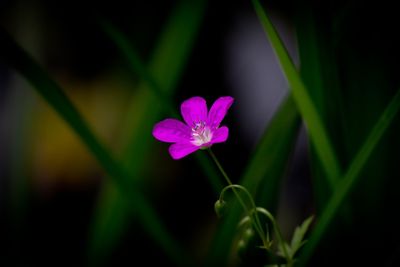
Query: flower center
point(201, 133)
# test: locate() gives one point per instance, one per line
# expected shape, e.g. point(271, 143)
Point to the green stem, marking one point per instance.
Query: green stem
point(253, 204)
point(266, 213)
point(256, 223)
point(278, 234)
point(232, 186)
point(220, 167)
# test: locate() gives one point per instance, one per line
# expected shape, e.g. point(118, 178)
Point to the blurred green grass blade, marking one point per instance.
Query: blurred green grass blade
point(166, 67)
point(153, 97)
point(164, 70)
point(16, 57)
point(221, 246)
point(310, 57)
point(110, 204)
point(161, 78)
point(320, 75)
point(312, 76)
point(349, 180)
point(211, 172)
point(137, 66)
point(262, 176)
point(268, 164)
point(307, 109)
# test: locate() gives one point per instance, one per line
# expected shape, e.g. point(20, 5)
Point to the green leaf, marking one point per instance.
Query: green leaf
point(350, 178)
point(288, 249)
point(16, 57)
point(298, 236)
point(307, 109)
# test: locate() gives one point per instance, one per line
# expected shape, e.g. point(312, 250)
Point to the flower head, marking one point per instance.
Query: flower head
point(201, 129)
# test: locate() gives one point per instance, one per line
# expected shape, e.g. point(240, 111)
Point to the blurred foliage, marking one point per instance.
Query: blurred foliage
point(95, 188)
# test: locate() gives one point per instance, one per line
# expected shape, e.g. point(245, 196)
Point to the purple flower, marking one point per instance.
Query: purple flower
point(201, 129)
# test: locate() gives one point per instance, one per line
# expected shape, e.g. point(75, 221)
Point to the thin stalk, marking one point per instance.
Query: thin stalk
point(256, 223)
point(278, 234)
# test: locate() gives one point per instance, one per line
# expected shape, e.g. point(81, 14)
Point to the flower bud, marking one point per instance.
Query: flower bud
point(219, 207)
point(248, 234)
point(242, 248)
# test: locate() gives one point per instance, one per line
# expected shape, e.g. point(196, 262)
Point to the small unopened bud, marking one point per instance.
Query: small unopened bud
point(219, 207)
point(241, 247)
point(248, 234)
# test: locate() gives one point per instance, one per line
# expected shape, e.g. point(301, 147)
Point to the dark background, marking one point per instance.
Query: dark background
point(48, 196)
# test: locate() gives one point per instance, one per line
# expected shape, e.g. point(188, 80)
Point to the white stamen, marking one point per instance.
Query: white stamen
point(201, 133)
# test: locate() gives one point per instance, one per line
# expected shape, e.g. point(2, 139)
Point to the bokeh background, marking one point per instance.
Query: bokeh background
point(58, 207)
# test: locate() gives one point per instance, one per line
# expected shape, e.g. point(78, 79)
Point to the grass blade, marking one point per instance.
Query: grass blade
point(307, 109)
point(16, 57)
point(137, 66)
point(311, 73)
point(350, 178)
point(267, 166)
point(320, 75)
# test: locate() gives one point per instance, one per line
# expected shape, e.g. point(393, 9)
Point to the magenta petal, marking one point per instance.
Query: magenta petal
point(194, 110)
point(220, 135)
point(219, 110)
point(171, 131)
point(178, 151)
